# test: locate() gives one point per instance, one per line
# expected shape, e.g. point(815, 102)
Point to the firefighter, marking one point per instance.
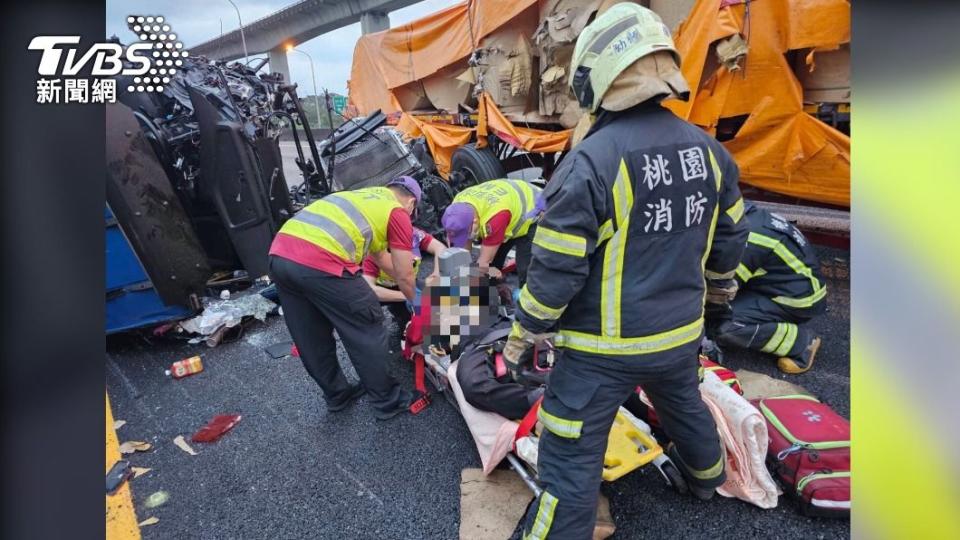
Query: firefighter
point(501, 214)
point(380, 278)
point(780, 288)
point(315, 261)
point(643, 219)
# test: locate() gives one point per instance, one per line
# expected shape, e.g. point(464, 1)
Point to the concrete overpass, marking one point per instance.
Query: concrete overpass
point(297, 23)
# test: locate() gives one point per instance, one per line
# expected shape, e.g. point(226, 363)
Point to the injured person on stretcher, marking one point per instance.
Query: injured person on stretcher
point(502, 414)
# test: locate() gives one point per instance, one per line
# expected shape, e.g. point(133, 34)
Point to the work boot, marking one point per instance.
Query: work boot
point(794, 367)
point(402, 406)
point(350, 396)
point(698, 491)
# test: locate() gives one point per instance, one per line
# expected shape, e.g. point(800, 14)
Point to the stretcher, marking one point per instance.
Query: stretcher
point(630, 444)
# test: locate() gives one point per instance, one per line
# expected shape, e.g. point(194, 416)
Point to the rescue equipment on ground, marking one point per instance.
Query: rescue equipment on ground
point(809, 451)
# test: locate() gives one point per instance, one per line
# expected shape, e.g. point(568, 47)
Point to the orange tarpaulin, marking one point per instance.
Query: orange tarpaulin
point(386, 60)
point(531, 140)
point(779, 148)
point(444, 139)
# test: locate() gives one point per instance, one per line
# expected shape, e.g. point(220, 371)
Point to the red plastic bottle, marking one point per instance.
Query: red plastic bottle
point(185, 367)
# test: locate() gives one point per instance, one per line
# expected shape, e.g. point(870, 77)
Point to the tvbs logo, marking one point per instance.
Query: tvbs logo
point(152, 62)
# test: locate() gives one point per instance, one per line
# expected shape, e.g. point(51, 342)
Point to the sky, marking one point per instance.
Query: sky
point(195, 21)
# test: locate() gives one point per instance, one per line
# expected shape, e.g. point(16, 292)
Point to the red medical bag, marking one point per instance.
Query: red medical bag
point(809, 451)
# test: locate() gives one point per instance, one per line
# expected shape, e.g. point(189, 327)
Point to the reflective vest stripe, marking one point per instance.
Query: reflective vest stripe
point(611, 284)
point(544, 519)
point(355, 216)
point(524, 208)
point(606, 231)
point(788, 340)
point(331, 228)
point(558, 242)
point(534, 307)
point(561, 427)
point(711, 472)
point(746, 275)
point(736, 211)
point(786, 256)
point(804, 302)
point(713, 227)
point(776, 339)
point(663, 341)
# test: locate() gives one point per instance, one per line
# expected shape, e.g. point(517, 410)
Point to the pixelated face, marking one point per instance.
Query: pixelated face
point(460, 306)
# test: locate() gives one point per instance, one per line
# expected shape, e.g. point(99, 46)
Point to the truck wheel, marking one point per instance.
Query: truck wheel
point(471, 166)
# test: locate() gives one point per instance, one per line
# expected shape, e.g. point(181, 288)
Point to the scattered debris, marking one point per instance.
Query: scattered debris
point(117, 475)
point(130, 447)
point(185, 367)
point(220, 315)
point(216, 428)
point(149, 521)
point(279, 350)
point(156, 499)
point(119, 424)
point(140, 471)
point(182, 444)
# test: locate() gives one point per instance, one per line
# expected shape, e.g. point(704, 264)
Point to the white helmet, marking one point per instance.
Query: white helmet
point(610, 44)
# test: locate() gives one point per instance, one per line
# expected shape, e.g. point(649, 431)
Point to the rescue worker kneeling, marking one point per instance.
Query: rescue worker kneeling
point(643, 217)
point(780, 288)
point(501, 214)
point(315, 262)
point(378, 273)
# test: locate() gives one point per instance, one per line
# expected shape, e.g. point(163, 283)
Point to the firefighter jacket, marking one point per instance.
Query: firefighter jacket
point(780, 263)
point(638, 215)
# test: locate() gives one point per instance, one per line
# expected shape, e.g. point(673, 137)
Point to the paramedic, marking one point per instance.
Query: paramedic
point(643, 222)
point(315, 261)
point(501, 214)
point(780, 289)
point(384, 285)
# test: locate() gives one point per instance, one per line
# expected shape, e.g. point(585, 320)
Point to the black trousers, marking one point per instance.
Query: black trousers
point(759, 323)
point(314, 305)
point(583, 395)
point(524, 245)
point(482, 389)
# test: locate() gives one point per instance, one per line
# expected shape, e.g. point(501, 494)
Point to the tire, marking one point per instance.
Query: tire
point(475, 165)
point(673, 477)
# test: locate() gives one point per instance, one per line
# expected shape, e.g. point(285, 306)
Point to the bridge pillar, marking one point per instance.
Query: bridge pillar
point(374, 21)
point(278, 62)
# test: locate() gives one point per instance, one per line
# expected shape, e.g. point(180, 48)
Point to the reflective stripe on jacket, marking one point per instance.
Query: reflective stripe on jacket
point(638, 214)
point(349, 224)
point(780, 263)
point(493, 196)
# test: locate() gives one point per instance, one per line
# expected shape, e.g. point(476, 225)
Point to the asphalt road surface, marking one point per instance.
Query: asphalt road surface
point(291, 469)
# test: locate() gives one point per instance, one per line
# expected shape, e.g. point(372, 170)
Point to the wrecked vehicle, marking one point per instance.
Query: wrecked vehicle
point(196, 187)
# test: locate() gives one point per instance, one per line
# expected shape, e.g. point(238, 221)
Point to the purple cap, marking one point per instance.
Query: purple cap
point(458, 222)
point(409, 184)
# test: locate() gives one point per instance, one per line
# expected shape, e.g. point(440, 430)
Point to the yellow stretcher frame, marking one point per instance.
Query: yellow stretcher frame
point(628, 449)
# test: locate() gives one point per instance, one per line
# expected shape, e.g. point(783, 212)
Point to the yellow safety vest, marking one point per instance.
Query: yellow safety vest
point(349, 224)
point(386, 280)
point(493, 196)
